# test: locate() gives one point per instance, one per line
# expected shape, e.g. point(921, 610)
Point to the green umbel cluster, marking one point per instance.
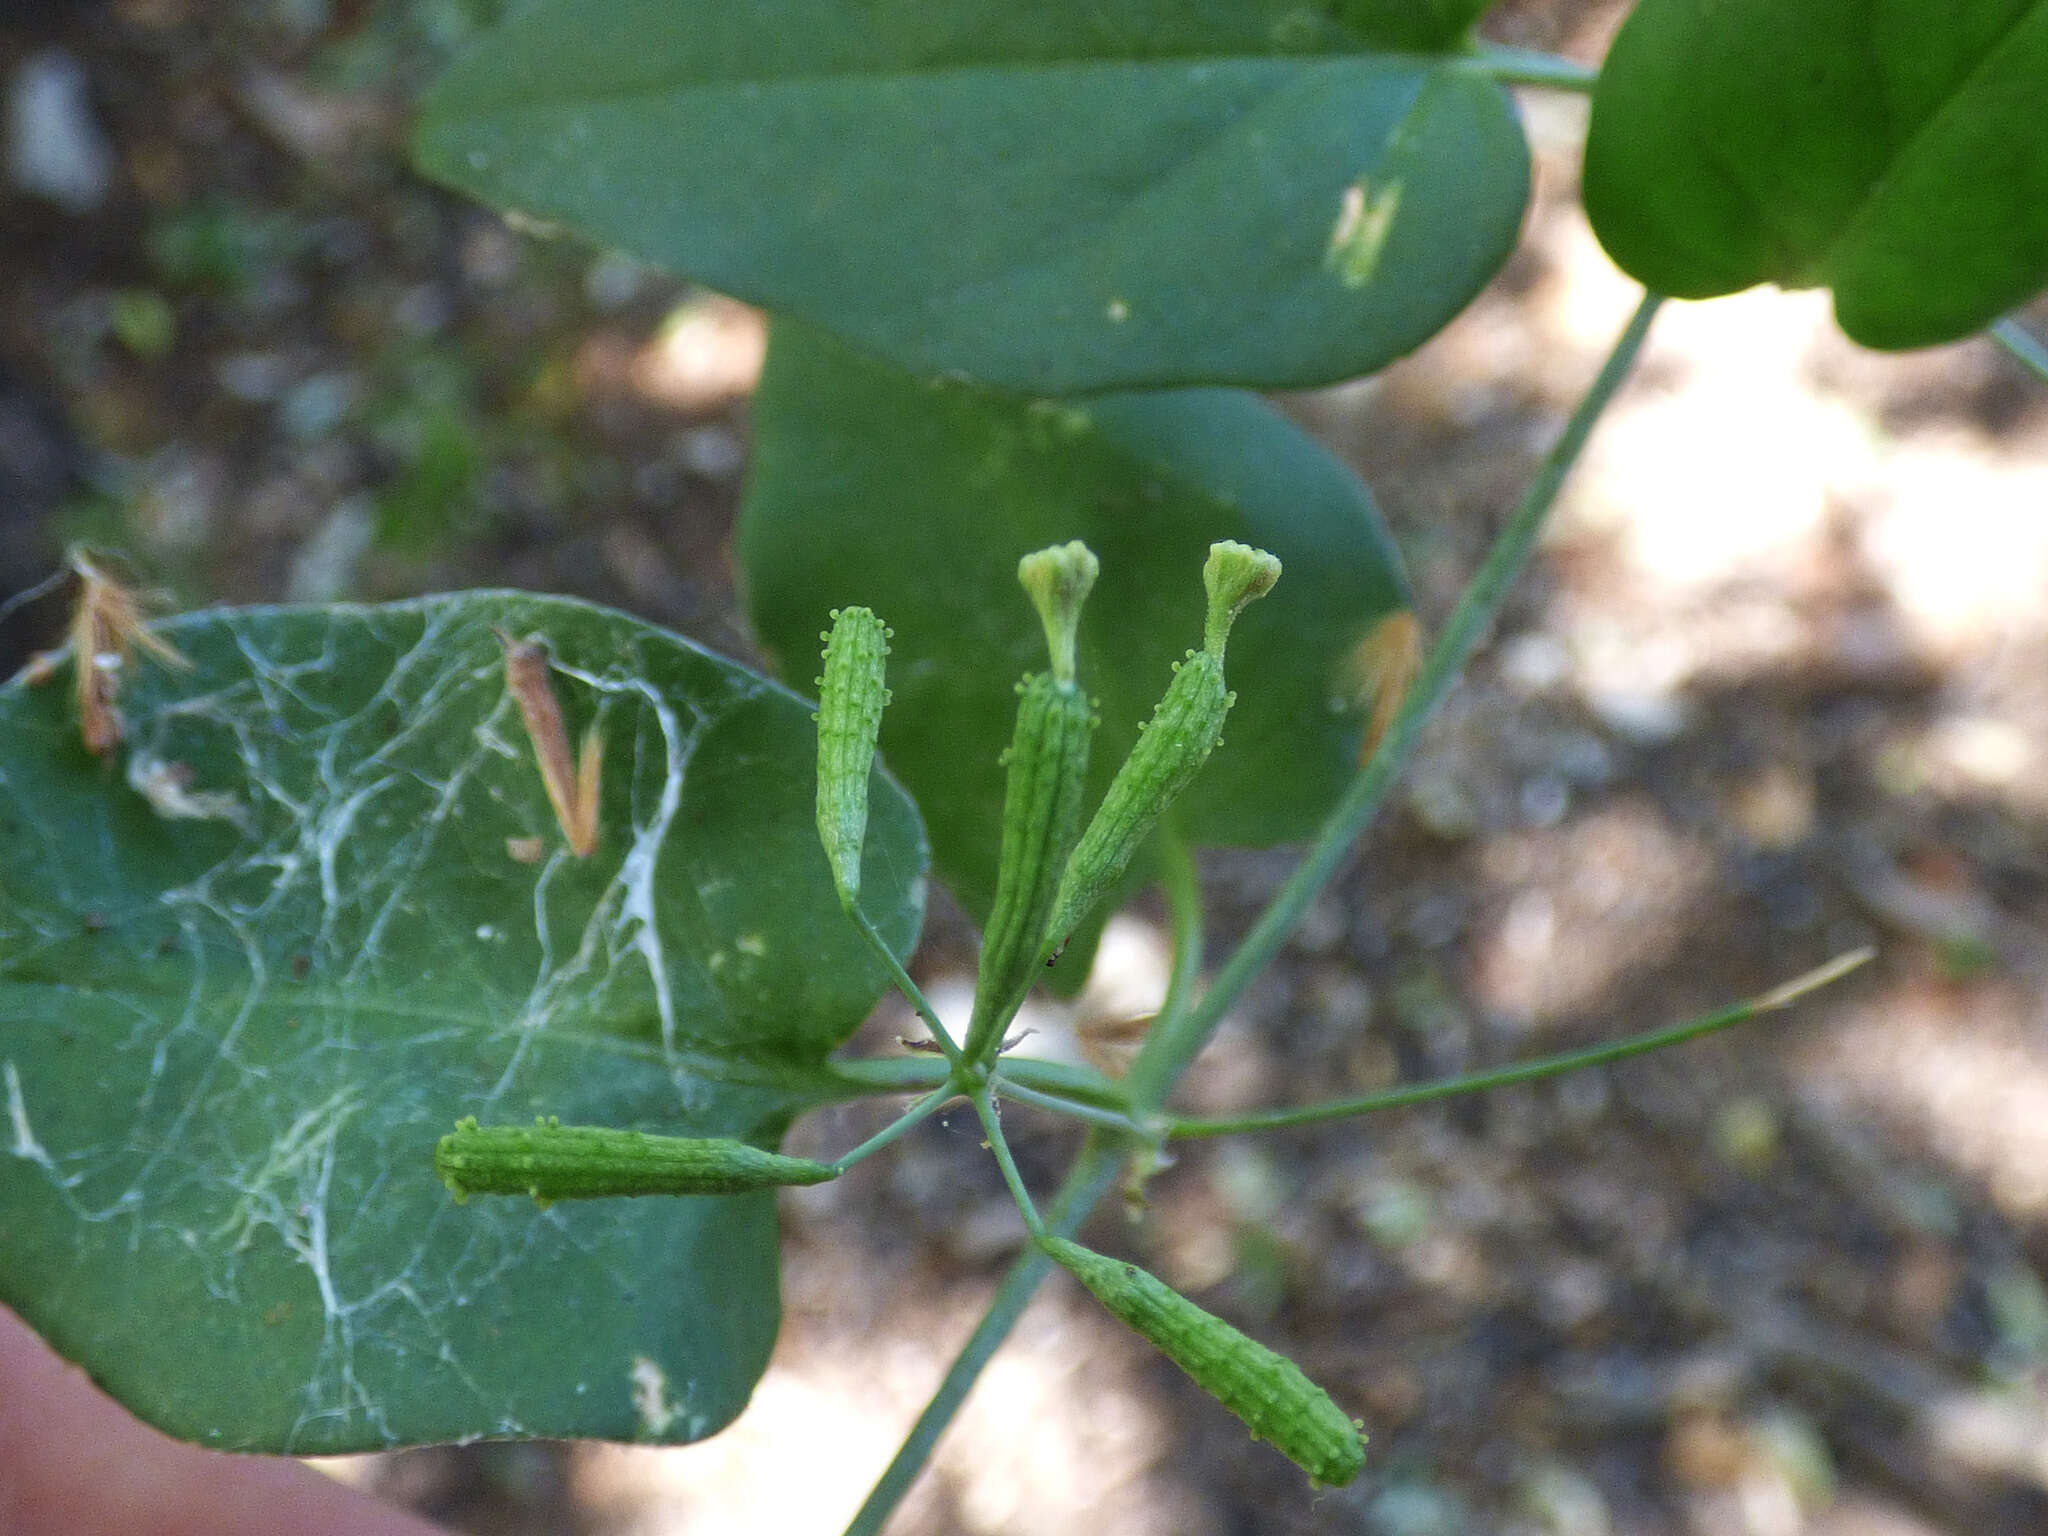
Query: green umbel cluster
point(1051, 876)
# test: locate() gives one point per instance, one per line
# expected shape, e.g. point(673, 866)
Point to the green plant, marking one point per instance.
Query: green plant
point(328, 905)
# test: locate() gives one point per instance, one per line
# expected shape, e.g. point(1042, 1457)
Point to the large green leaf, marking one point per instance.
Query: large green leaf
point(246, 983)
point(1891, 150)
point(1058, 197)
point(870, 486)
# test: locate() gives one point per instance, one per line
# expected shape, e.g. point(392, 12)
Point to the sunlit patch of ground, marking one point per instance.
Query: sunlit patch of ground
point(1059, 1436)
point(1583, 904)
point(1960, 1069)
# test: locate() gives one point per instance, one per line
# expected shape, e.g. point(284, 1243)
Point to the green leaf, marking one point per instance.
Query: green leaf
point(237, 1011)
point(1890, 151)
point(1061, 197)
point(917, 500)
point(1423, 26)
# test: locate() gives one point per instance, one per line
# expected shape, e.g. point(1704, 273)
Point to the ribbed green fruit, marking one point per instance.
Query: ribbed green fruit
point(1266, 1390)
point(551, 1161)
point(850, 699)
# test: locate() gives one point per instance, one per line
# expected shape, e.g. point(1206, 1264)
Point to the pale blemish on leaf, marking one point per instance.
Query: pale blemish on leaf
point(167, 786)
point(25, 1143)
point(1117, 311)
point(650, 1397)
point(754, 944)
point(1365, 216)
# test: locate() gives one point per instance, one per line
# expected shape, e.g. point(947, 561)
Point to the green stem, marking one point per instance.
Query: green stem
point(906, 1074)
point(1527, 1071)
point(1009, 1088)
point(998, 1143)
point(1524, 66)
point(2020, 342)
point(903, 1122)
point(1183, 889)
point(1177, 878)
point(907, 987)
point(1086, 1183)
point(890, 1074)
point(1171, 1050)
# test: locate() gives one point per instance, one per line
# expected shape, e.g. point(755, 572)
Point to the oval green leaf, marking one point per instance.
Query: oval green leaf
point(1055, 198)
point(318, 908)
point(1891, 152)
point(918, 499)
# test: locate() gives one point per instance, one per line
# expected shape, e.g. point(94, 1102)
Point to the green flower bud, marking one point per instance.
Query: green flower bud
point(1235, 575)
point(1047, 774)
point(1059, 580)
point(850, 700)
point(1184, 730)
point(1047, 764)
point(551, 1161)
point(1266, 1390)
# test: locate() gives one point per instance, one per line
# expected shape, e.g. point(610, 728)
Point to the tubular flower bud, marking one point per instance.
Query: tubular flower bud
point(850, 699)
point(1235, 576)
point(1184, 730)
point(551, 1161)
point(1047, 773)
point(1059, 580)
point(1266, 1390)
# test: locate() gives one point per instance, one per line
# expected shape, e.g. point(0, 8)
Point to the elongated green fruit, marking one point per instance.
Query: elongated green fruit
point(1048, 773)
point(551, 1161)
point(1266, 1390)
point(850, 699)
point(1170, 750)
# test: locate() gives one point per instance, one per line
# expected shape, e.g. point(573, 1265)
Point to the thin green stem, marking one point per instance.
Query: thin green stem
point(1086, 1183)
point(906, 1074)
point(1524, 66)
point(907, 987)
point(890, 1074)
point(1526, 1071)
point(1170, 1050)
point(1178, 879)
point(910, 1118)
point(1009, 1088)
point(992, 1127)
point(2020, 342)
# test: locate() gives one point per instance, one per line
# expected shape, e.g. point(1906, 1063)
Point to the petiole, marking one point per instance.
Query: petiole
point(992, 1127)
point(1527, 1071)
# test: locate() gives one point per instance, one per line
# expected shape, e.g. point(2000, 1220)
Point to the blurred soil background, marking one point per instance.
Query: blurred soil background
point(1777, 688)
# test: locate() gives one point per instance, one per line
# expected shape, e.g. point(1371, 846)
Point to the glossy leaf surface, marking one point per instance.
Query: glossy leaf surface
point(1890, 150)
point(1055, 198)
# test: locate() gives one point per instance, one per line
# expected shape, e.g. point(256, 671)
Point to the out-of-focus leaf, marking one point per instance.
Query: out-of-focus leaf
point(1892, 152)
